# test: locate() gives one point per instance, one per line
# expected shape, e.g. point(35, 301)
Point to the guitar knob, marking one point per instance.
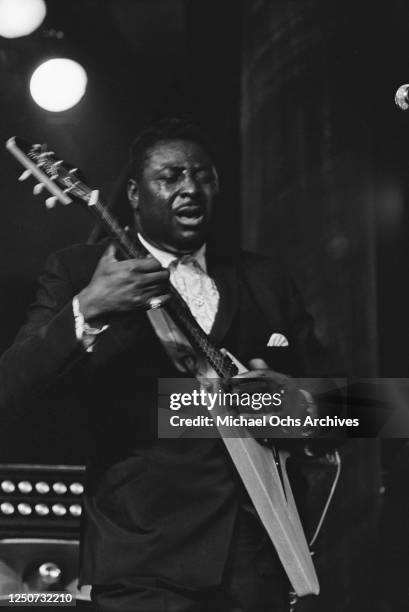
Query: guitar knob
point(25, 175)
point(37, 189)
point(51, 202)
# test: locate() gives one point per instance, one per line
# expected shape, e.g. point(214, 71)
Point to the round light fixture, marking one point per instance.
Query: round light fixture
point(20, 17)
point(58, 84)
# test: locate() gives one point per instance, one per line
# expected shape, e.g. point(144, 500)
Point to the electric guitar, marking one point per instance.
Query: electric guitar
point(262, 470)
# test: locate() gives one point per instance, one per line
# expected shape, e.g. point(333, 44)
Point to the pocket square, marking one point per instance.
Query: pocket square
point(277, 340)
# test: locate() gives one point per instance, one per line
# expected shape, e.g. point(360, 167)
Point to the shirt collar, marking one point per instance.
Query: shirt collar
point(165, 258)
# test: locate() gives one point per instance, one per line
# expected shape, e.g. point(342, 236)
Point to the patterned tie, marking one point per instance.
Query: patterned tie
point(197, 289)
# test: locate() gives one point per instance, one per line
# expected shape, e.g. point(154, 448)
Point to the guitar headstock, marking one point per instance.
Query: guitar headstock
point(52, 174)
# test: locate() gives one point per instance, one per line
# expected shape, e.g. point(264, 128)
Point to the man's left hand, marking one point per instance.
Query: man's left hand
point(261, 379)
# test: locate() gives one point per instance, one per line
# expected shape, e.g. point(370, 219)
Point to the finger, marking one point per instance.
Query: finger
point(162, 299)
point(154, 278)
point(263, 373)
point(155, 291)
point(258, 364)
point(247, 384)
point(109, 253)
point(144, 265)
point(137, 266)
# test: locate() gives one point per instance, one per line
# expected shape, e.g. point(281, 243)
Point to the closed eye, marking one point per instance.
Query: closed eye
point(205, 176)
point(170, 178)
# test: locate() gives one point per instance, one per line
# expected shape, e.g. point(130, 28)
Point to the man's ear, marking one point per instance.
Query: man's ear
point(133, 194)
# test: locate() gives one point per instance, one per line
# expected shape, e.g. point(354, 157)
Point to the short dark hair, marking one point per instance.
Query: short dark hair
point(168, 128)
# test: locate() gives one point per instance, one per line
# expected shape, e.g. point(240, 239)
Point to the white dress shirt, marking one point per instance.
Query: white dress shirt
point(188, 274)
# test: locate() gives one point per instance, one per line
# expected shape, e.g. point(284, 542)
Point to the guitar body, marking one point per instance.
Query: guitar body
point(259, 468)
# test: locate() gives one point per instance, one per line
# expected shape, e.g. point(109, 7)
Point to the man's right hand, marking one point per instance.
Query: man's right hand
point(121, 286)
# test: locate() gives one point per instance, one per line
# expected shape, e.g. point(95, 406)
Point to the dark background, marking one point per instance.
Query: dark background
point(298, 98)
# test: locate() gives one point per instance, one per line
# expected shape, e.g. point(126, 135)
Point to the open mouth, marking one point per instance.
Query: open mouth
point(190, 216)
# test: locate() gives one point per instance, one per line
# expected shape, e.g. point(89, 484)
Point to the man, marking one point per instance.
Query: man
point(168, 524)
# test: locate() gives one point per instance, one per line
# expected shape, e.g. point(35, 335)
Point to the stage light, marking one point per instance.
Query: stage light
point(58, 84)
point(20, 17)
point(76, 488)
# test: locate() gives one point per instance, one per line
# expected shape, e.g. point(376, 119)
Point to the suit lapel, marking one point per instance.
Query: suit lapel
point(224, 273)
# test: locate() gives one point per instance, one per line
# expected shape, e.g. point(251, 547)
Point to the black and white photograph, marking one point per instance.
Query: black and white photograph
point(204, 380)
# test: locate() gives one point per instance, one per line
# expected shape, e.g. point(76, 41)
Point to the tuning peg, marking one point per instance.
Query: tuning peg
point(51, 202)
point(70, 188)
point(37, 189)
point(55, 167)
point(73, 171)
point(25, 175)
point(45, 154)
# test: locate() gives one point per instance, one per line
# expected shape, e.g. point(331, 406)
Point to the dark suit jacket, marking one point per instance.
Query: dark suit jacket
point(153, 507)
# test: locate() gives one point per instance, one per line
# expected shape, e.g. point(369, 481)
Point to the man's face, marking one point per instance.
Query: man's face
point(173, 198)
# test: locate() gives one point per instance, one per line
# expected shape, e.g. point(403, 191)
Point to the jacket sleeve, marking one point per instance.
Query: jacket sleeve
point(46, 347)
point(46, 360)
